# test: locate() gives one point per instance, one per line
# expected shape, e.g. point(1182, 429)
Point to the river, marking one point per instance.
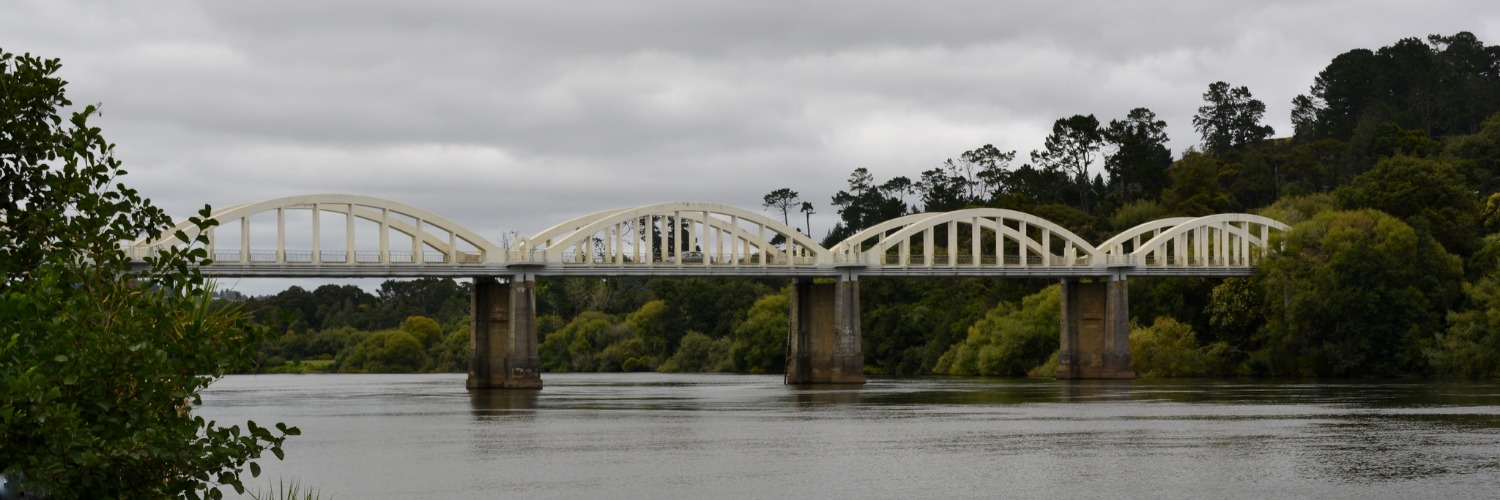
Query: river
point(749, 436)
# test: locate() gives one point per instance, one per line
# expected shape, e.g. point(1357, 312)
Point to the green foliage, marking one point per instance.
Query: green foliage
point(1168, 348)
point(782, 200)
point(284, 490)
point(866, 204)
point(1010, 340)
point(1477, 156)
point(390, 351)
point(452, 354)
point(426, 330)
point(1353, 293)
point(1072, 148)
point(1230, 118)
point(1445, 86)
point(1195, 189)
point(1425, 193)
point(1076, 220)
point(649, 325)
point(758, 344)
point(334, 306)
point(99, 366)
point(1471, 345)
point(698, 354)
point(1235, 312)
point(1294, 209)
point(1138, 165)
point(1135, 214)
point(576, 347)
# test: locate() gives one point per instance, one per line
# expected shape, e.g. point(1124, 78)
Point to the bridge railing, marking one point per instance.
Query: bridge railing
point(942, 259)
point(1193, 261)
point(299, 256)
point(572, 257)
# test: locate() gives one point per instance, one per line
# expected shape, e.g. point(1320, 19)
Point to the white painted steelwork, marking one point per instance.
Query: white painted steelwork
point(710, 239)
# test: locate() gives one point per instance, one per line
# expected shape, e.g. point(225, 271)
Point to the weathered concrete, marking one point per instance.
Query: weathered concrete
point(504, 336)
point(823, 345)
point(1095, 341)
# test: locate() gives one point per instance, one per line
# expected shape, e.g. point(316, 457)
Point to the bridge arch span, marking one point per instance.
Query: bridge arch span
point(677, 233)
point(1222, 240)
point(1121, 245)
point(996, 238)
point(450, 243)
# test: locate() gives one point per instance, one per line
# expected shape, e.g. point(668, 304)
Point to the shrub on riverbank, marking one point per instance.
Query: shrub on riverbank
point(1011, 340)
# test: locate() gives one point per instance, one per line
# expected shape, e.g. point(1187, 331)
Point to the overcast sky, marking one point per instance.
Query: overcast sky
point(507, 115)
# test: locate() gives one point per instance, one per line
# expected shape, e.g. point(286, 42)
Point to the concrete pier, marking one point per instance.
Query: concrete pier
point(1095, 342)
point(504, 336)
point(823, 345)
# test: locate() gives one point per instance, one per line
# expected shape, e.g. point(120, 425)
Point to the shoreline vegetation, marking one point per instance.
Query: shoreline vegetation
point(1390, 180)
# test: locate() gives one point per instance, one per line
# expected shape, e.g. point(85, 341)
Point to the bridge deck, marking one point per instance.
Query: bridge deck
point(503, 270)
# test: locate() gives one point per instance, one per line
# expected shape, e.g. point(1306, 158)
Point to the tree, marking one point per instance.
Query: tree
point(807, 211)
point(426, 330)
point(1009, 340)
point(1072, 148)
point(783, 200)
point(758, 345)
point(1444, 86)
point(100, 365)
point(1195, 189)
point(390, 351)
point(1353, 293)
point(1470, 347)
point(1138, 165)
point(866, 204)
point(1428, 194)
point(1230, 119)
point(1169, 348)
point(974, 178)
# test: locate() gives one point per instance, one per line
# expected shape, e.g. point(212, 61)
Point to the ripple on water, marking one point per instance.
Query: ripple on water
point(659, 435)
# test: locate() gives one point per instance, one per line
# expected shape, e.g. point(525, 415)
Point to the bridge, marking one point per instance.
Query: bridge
point(374, 237)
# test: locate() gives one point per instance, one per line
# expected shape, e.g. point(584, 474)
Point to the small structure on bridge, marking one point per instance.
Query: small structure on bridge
point(374, 237)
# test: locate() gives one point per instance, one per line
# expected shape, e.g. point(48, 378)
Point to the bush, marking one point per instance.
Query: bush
point(1011, 340)
point(426, 330)
point(100, 365)
point(390, 351)
point(1168, 348)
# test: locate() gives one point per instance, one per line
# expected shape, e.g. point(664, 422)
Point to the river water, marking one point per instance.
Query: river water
point(747, 436)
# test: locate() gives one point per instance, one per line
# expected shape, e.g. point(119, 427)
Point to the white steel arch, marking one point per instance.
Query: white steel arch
point(454, 244)
point(1118, 248)
point(997, 238)
point(1222, 240)
point(707, 234)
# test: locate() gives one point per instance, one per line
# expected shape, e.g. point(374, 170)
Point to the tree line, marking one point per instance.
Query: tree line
point(1388, 179)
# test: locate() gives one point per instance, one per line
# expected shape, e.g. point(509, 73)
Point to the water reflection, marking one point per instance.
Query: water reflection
point(691, 436)
point(825, 394)
point(503, 402)
point(1093, 391)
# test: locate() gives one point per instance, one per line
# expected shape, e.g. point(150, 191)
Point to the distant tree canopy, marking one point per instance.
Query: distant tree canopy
point(1445, 86)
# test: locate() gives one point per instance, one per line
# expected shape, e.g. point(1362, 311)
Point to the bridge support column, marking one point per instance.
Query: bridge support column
point(823, 345)
point(1095, 341)
point(503, 336)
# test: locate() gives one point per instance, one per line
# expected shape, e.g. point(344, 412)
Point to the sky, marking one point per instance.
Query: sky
point(515, 115)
